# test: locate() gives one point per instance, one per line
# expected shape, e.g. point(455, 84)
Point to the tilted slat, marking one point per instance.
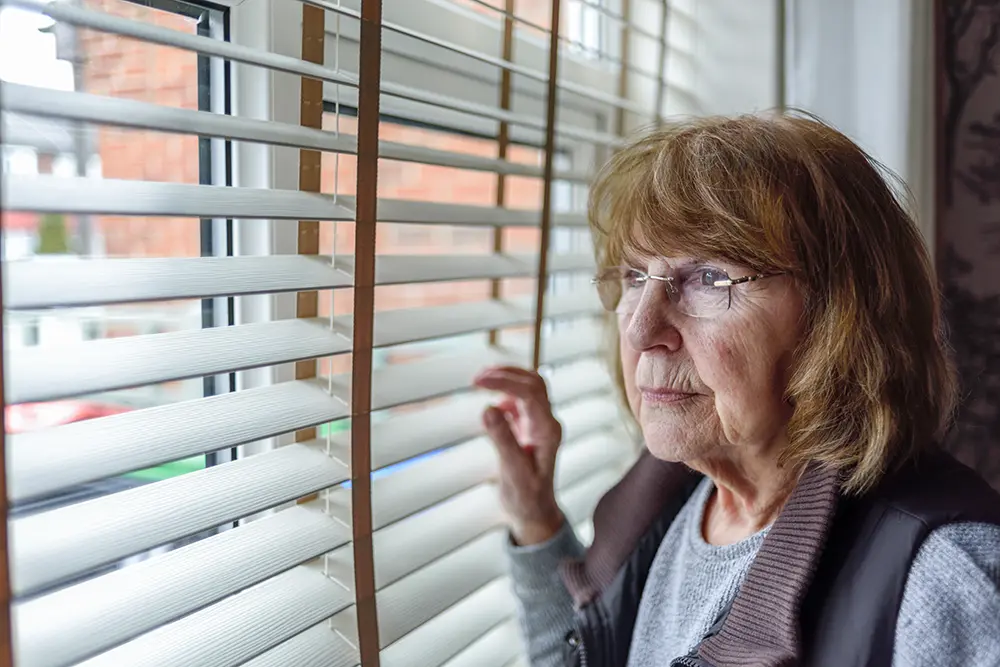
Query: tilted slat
point(407, 325)
point(99, 448)
point(592, 454)
point(442, 375)
point(423, 155)
point(80, 621)
point(577, 340)
point(402, 269)
point(410, 434)
point(496, 113)
point(414, 600)
point(109, 528)
point(55, 194)
point(408, 545)
point(578, 501)
point(208, 46)
point(237, 629)
point(47, 373)
point(319, 646)
point(515, 68)
point(213, 47)
point(43, 282)
point(433, 479)
point(430, 213)
point(121, 112)
point(395, 327)
point(73, 282)
point(454, 629)
point(496, 648)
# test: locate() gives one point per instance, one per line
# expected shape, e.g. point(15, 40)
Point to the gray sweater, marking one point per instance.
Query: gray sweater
point(950, 613)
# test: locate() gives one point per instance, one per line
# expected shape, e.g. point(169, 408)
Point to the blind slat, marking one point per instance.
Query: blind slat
point(208, 46)
point(83, 620)
point(578, 501)
point(496, 113)
point(408, 545)
point(590, 455)
point(121, 112)
point(112, 527)
point(48, 373)
point(237, 629)
point(402, 269)
point(65, 282)
point(429, 481)
point(433, 213)
point(116, 111)
point(407, 325)
point(99, 448)
point(454, 629)
point(442, 375)
point(411, 434)
point(74, 282)
point(55, 194)
point(414, 600)
point(319, 646)
point(494, 649)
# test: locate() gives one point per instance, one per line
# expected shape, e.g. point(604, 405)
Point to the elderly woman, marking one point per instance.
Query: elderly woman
point(781, 350)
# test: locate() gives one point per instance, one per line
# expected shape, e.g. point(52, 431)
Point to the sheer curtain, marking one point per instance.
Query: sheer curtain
point(866, 67)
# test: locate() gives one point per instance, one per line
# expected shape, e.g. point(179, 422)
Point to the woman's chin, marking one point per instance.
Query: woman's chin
point(677, 443)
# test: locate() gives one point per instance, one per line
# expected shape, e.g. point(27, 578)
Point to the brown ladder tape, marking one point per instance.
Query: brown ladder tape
point(364, 313)
point(310, 174)
point(550, 149)
point(503, 140)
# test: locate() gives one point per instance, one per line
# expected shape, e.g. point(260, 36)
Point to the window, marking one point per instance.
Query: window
point(52, 57)
point(223, 446)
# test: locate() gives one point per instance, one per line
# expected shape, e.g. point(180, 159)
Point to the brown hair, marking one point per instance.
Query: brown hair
point(872, 381)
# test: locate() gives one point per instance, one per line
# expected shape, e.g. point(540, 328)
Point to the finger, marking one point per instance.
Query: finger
point(509, 450)
point(547, 446)
point(509, 371)
point(509, 407)
point(527, 388)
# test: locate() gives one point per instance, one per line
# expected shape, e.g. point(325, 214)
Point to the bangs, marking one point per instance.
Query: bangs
point(685, 191)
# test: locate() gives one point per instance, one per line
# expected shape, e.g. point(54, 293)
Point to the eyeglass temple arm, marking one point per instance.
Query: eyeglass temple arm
point(745, 279)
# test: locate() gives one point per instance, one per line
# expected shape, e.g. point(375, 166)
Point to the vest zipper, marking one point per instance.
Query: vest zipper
point(689, 661)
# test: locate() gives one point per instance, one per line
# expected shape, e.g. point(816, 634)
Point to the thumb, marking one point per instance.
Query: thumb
point(508, 448)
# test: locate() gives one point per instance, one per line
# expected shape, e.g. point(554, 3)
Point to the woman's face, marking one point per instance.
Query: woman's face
point(702, 386)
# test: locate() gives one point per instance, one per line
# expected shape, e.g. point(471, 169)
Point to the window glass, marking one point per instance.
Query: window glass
point(38, 52)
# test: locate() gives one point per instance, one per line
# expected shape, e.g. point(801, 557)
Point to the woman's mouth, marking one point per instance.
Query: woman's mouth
point(664, 395)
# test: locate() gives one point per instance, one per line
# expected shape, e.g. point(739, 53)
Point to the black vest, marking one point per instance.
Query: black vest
point(847, 601)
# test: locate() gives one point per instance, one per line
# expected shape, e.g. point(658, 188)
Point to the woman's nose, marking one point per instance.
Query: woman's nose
point(651, 322)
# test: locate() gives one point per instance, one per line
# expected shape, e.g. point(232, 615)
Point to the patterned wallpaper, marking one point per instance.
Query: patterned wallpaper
point(968, 217)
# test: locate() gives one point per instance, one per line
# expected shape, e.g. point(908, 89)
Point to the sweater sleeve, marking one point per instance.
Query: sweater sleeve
point(950, 613)
point(545, 608)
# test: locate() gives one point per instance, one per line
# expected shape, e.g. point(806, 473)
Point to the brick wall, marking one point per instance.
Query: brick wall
point(130, 69)
point(136, 70)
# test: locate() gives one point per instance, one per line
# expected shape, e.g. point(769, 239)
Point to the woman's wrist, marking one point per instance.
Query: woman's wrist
point(528, 533)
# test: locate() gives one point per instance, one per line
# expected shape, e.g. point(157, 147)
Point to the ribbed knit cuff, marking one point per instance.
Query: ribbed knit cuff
point(534, 568)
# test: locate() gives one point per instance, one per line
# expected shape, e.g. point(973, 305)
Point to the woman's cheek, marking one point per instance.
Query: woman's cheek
point(629, 361)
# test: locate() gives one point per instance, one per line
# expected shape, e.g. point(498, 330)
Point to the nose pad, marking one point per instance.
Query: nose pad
point(673, 293)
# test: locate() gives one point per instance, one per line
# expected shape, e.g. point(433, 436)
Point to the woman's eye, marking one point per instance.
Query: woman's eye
point(632, 279)
point(708, 277)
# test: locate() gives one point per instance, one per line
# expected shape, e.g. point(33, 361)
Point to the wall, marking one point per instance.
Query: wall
point(968, 222)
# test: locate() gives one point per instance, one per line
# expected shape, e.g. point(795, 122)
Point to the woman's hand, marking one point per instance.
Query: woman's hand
point(526, 437)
